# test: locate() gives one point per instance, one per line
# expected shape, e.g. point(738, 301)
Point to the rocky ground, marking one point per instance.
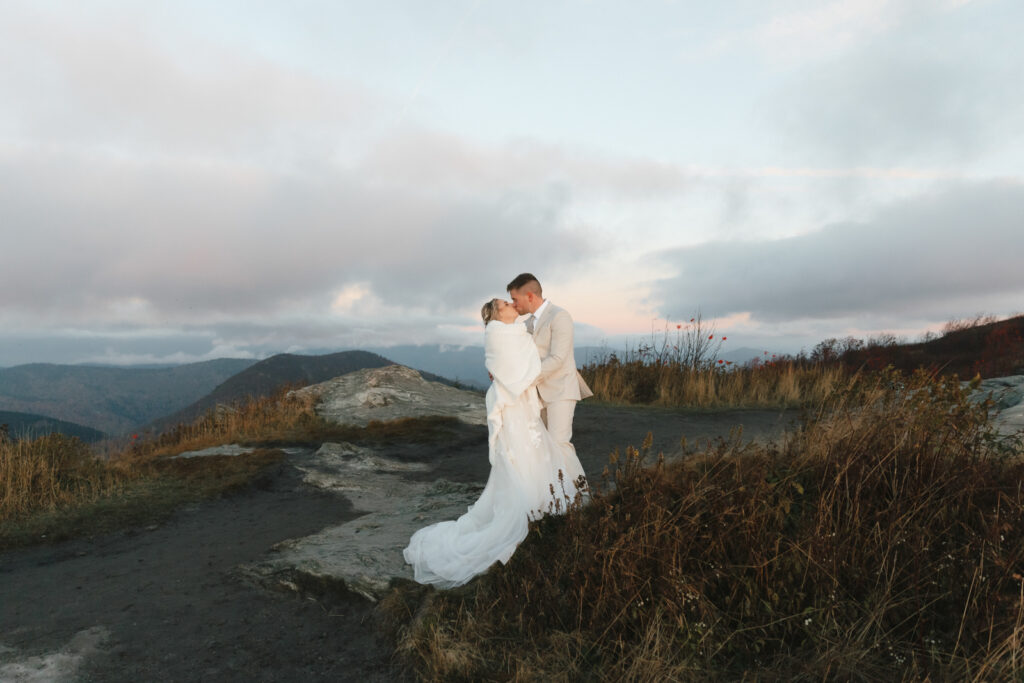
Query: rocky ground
point(272, 583)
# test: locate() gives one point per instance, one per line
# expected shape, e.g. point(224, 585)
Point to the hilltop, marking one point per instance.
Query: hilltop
point(991, 348)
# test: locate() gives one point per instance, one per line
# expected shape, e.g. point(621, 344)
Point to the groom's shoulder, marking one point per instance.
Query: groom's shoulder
point(559, 312)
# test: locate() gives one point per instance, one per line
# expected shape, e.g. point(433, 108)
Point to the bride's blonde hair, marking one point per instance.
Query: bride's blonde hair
point(489, 310)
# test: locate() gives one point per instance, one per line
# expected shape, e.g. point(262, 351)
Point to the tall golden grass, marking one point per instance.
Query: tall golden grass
point(280, 417)
point(50, 472)
point(884, 540)
point(56, 471)
point(674, 384)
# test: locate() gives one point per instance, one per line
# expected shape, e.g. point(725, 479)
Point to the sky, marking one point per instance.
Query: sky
point(182, 181)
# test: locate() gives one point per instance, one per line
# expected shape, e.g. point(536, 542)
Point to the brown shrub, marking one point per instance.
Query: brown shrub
point(882, 540)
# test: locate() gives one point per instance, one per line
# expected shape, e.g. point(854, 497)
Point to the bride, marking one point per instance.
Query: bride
point(530, 474)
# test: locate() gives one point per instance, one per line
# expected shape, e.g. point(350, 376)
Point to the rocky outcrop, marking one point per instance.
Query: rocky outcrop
point(1008, 395)
point(391, 393)
point(365, 555)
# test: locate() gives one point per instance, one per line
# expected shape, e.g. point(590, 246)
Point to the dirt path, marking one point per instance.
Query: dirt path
point(166, 603)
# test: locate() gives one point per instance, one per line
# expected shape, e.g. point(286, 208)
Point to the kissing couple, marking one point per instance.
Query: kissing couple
point(528, 351)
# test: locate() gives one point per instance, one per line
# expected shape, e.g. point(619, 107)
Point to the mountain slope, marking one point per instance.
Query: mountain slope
point(991, 349)
point(111, 399)
point(28, 425)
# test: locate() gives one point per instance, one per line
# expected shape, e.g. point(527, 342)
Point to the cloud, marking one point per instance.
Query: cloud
point(149, 186)
point(830, 26)
point(929, 92)
point(934, 254)
point(110, 81)
point(180, 240)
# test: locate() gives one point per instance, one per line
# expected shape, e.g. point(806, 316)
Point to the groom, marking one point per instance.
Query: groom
point(560, 385)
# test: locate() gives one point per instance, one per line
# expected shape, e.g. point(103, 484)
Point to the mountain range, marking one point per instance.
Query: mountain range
point(86, 401)
point(114, 400)
point(29, 426)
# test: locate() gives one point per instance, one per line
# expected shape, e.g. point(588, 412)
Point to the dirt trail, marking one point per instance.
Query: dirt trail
point(166, 603)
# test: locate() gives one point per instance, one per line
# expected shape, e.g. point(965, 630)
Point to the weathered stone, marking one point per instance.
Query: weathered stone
point(365, 554)
point(391, 393)
point(1008, 395)
point(226, 449)
point(365, 478)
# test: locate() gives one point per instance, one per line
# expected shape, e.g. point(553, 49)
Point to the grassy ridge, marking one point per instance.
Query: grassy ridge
point(775, 385)
point(882, 541)
point(55, 486)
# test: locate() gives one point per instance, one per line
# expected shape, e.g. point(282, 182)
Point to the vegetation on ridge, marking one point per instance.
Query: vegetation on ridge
point(679, 367)
point(883, 540)
point(55, 486)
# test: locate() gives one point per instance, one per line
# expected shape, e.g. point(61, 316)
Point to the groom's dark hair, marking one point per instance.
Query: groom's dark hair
point(523, 280)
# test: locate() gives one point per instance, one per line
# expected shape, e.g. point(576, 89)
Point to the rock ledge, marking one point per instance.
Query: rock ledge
point(391, 393)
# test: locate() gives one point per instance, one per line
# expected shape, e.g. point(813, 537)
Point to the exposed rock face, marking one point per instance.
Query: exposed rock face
point(364, 555)
point(390, 393)
point(1008, 395)
point(226, 449)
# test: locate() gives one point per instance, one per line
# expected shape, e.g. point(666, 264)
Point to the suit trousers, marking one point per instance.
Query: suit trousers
point(557, 417)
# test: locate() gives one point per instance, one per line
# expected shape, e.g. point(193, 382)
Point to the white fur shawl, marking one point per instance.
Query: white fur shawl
point(512, 359)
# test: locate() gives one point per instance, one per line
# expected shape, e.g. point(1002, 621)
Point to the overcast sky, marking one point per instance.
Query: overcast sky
point(189, 180)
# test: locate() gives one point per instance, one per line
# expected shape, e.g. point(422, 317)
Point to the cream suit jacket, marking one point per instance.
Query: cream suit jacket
point(559, 379)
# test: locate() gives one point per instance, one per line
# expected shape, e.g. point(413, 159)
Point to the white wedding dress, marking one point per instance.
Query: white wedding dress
point(530, 474)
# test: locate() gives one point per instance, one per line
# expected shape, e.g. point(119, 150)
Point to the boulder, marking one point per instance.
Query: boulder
point(391, 393)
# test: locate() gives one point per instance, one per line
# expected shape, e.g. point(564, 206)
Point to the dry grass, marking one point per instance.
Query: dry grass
point(774, 385)
point(50, 472)
point(56, 472)
point(284, 418)
point(882, 541)
point(149, 493)
point(281, 417)
point(55, 487)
